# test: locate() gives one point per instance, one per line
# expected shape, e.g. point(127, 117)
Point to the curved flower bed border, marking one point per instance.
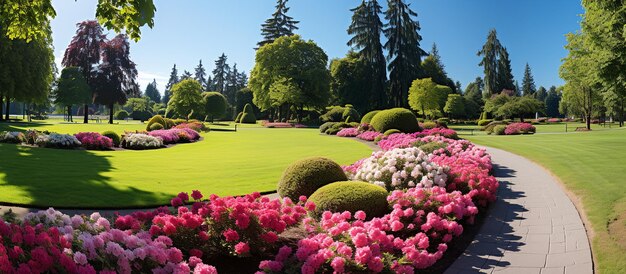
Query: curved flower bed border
point(414, 235)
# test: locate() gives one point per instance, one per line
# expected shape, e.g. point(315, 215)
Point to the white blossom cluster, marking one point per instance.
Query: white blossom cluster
point(12, 137)
point(141, 141)
point(56, 140)
point(401, 168)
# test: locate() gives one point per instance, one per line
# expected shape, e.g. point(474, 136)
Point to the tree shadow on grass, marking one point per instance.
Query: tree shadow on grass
point(41, 177)
point(20, 126)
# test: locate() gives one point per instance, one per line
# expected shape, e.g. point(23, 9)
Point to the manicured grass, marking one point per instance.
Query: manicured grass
point(541, 128)
point(224, 163)
point(593, 166)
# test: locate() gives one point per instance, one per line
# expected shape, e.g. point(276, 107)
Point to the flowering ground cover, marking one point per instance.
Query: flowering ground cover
point(82, 178)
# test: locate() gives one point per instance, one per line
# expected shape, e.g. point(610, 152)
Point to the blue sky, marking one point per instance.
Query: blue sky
point(186, 31)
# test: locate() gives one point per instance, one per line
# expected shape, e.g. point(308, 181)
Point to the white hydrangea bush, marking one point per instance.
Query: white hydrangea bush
point(401, 168)
point(141, 141)
point(14, 137)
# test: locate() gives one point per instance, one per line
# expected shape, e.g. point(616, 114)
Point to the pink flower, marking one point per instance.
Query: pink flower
point(177, 201)
point(204, 269)
point(196, 195)
point(231, 235)
point(242, 248)
point(338, 264)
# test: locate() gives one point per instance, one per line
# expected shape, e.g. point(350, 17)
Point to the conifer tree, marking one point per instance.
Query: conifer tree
point(404, 52)
point(220, 73)
point(528, 82)
point(490, 51)
point(152, 92)
point(167, 94)
point(505, 73)
point(280, 24)
point(200, 75)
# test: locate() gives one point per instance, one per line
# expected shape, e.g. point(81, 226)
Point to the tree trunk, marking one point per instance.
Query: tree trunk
point(86, 114)
point(69, 114)
point(521, 118)
point(111, 114)
point(621, 115)
point(1, 107)
point(8, 108)
point(588, 121)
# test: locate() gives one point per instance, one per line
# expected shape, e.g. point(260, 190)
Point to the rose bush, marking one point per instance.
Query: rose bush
point(94, 141)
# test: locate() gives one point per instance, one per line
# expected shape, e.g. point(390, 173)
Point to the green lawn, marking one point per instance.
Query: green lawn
point(593, 166)
point(224, 163)
point(542, 128)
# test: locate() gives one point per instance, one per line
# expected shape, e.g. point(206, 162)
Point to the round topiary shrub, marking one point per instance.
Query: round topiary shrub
point(391, 131)
point(484, 122)
point(114, 137)
point(156, 119)
point(156, 126)
point(307, 175)
point(430, 147)
point(121, 115)
point(214, 104)
point(396, 118)
point(367, 118)
point(248, 116)
point(326, 126)
point(499, 129)
point(351, 196)
point(429, 125)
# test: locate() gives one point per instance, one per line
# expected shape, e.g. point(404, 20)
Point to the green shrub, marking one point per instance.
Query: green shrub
point(214, 104)
point(428, 148)
point(156, 126)
point(114, 137)
point(351, 196)
point(396, 118)
point(326, 126)
point(429, 125)
point(367, 118)
point(336, 127)
point(238, 117)
point(499, 129)
point(489, 127)
point(391, 131)
point(307, 175)
point(378, 138)
point(350, 115)
point(156, 119)
point(169, 123)
point(333, 114)
point(484, 122)
point(121, 114)
point(248, 116)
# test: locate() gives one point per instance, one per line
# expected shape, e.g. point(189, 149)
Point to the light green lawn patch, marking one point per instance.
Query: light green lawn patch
point(541, 128)
point(225, 163)
point(593, 166)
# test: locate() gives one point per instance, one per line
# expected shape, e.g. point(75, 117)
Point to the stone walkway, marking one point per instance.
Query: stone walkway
point(532, 228)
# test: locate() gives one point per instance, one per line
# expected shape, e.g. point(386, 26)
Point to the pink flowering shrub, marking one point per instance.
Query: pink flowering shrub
point(438, 131)
point(555, 120)
point(196, 126)
point(175, 135)
point(413, 236)
point(94, 141)
point(239, 226)
point(519, 128)
point(348, 132)
point(369, 135)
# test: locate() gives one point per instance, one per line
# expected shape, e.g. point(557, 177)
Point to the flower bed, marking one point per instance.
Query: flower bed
point(369, 135)
point(12, 137)
point(139, 141)
point(94, 141)
point(197, 126)
point(176, 135)
point(348, 132)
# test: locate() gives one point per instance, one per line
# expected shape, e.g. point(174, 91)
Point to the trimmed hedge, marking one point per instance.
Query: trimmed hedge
point(499, 129)
point(429, 125)
point(114, 137)
point(307, 175)
point(484, 122)
point(367, 118)
point(351, 196)
point(391, 131)
point(156, 119)
point(121, 114)
point(350, 115)
point(396, 118)
point(238, 117)
point(248, 116)
point(428, 148)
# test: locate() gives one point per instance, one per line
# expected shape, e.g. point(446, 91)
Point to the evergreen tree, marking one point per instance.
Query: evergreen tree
point(279, 25)
point(528, 82)
point(541, 94)
point(490, 51)
point(186, 75)
point(404, 52)
point(366, 28)
point(458, 87)
point(474, 91)
point(152, 92)
point(518, 89)
point(220, 73)
point(552, 102)
point(433, 68)
point(171, 82)
point(200, 75)
point(505, 73)
point(71, 89)
point(232, 85)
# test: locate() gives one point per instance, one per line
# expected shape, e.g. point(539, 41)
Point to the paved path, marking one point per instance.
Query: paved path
point(532, 228)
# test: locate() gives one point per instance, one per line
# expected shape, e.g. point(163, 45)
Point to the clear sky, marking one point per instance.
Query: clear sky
point(186, 31)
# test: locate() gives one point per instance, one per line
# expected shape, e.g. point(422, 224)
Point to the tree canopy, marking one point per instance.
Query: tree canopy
point(427, 97)
point(186, 100)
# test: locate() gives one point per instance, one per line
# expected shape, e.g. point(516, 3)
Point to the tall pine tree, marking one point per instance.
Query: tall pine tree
point(167, 94)
point(279, 25)
point(404, 52)
point(232, 85)
point(220, 73)
point(433, 68)
point(528, 82)
point(200, 75)
point(366, 29)
point(152, 92)
point(490, 51)
point(505, 73)
point(186, 75)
